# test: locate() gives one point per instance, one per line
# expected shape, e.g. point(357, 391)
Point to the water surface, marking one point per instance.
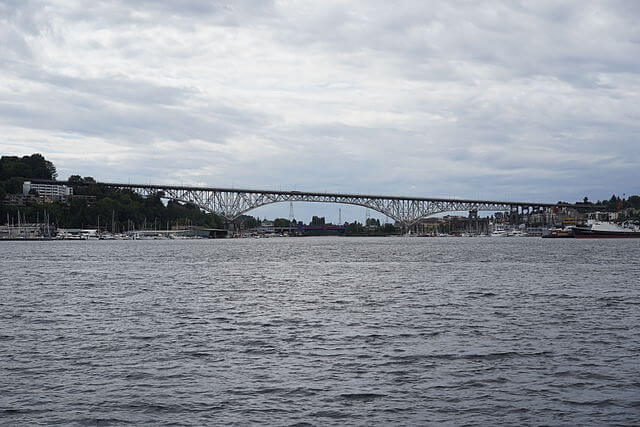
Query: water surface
point(320, 330)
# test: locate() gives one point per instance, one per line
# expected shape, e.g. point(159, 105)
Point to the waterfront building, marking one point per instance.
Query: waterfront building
point(266, 227)
point(52, 191)
point(77, 233)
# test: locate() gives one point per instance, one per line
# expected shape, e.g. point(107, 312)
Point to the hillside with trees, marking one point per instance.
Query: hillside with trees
point(94, 205)
point(14, 170)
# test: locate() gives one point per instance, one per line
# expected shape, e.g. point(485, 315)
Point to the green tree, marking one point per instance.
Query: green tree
point(281, 222)
point(354, 228)
point(389, 228)
point(34, 166)
point(14, 185)
point(634, 202)
point(40, 167)
point(13, 166)
point(248, 222)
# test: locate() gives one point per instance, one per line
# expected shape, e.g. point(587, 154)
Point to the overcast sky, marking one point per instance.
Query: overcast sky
point(522, 100)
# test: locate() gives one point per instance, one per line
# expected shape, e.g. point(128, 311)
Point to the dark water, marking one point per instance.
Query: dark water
point(321, 331)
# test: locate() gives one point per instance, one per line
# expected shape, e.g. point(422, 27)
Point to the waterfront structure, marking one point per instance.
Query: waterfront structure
point(77, 234)
point(53, 191)
point(266, 227)
point(24, 200)
point(27, 231)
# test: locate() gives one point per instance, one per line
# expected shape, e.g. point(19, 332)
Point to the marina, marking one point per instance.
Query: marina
point(40, 232)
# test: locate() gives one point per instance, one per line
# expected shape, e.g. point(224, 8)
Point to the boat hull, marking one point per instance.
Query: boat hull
point(558, 234)
point(583, 233)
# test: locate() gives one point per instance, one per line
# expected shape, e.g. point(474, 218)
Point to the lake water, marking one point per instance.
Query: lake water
point(324, 331)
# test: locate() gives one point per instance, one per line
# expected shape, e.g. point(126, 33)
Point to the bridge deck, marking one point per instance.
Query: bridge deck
point(161, 187)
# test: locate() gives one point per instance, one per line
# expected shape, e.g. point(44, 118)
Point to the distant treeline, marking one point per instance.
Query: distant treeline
point(616, 203)
point(371, 227)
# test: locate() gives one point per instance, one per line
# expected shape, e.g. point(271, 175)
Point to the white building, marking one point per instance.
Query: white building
point(47, 190)
point(266, 227)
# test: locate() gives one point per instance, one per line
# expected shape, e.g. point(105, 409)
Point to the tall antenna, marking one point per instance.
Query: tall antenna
point(290, 217)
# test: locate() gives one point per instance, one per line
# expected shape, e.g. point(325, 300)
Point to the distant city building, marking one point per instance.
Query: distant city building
point(47, 190)
point(266, 227)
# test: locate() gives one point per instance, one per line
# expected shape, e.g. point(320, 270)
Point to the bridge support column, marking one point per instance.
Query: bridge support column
point(230, 226)
point(513, 214)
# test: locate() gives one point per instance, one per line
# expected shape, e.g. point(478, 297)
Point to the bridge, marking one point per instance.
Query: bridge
point(230, 203)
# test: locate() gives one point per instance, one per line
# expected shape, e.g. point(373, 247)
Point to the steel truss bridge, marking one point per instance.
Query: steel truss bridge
point(230, 203)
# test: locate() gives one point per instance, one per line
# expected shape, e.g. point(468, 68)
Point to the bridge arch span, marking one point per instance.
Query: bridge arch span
point(231, 203)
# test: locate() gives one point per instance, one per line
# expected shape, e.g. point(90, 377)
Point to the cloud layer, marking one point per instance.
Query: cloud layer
point(494, 99)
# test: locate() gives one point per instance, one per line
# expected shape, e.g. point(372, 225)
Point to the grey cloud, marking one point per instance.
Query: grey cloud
point(184, 13)
point(23, 14)
point(136, 112)
point(511, 97)
point(548, 39)
point(114, 88)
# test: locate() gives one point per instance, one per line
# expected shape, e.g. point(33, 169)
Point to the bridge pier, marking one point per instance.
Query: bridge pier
point(230, 226)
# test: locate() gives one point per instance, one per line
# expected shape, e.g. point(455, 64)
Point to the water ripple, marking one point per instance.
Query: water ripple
point(320, 331)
